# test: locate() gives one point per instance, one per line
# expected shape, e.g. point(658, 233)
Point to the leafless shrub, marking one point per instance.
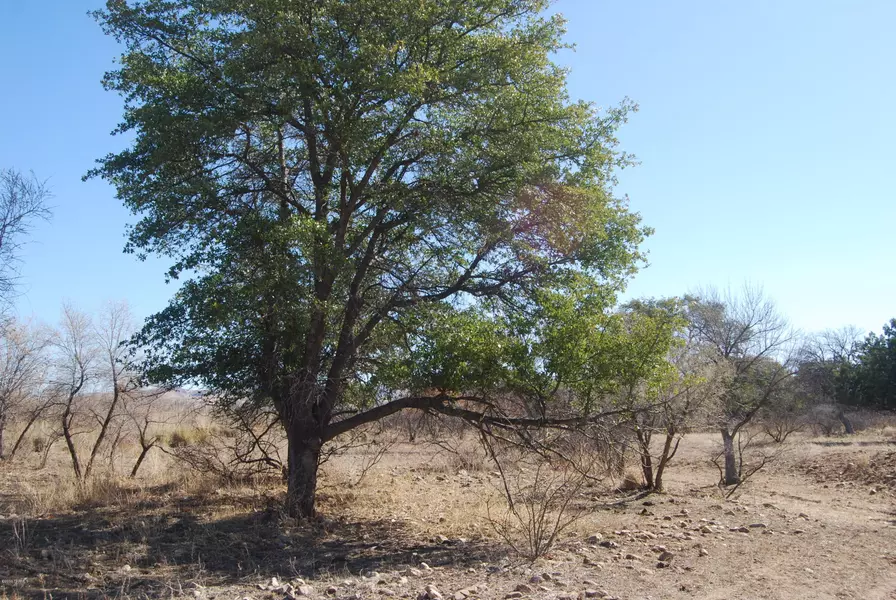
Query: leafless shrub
point(780, 427)
point(537, 508)
point(21, 537)
point(245, 447)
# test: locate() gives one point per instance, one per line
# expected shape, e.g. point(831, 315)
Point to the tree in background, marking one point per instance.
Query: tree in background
point(826, 375)
point(23, 200)
point(678, 392)
point(751, 342)
point(874, 374)
point(23, 365)
point(379, 206)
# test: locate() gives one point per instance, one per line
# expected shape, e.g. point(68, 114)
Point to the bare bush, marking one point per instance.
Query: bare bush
point(23, 365)
point(538, 504)
point(243, 445)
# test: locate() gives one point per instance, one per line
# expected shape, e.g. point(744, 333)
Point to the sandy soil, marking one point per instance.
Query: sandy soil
point(819, 523)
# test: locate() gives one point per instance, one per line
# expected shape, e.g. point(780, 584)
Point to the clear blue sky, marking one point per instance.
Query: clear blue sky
point(766, 135)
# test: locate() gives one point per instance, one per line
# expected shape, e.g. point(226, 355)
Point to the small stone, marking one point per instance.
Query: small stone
point(703, 552)
point(592, 594)
point(632, 557)
point(536, 579)
point(758, 525)
point(412, 572)
point(547, 576)
point(386, 592)
point(662, 564)
point(431, 592)
point(798, 531)
point(595, 538)
point(332, 590)
point(658, 549)
point(609, 544)
point(666, 556)
point(304, 590)
point(512, 595)
point(523, 589)
point(740, 529)
point(425, 567)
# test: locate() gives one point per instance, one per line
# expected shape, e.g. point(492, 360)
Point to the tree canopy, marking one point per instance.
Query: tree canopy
point(375, 206)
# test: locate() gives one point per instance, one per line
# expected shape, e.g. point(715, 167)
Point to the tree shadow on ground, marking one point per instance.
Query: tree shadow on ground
point(162, 548)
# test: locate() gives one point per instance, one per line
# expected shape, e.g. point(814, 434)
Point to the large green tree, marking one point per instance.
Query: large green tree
point(874, 374)
point(376, 206)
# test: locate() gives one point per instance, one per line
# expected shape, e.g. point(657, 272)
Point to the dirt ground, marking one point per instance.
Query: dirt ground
point(818, 523)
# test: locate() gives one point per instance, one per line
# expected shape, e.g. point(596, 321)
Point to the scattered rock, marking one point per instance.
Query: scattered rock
point(431, 592)
point(425, 567)
point(467, 592)
point(304, 590)
point(758, 525)
point(666, 556)
point(332, 590)
point(412, 572)
point(512, 595)
point(594, 538)
point(703, 552)
point(632, 557)
point(523, 588)
point(662, 564)
point(798, 531)
point(740, 529)
point(609, 544)
point(536, 579)
point(658, 549)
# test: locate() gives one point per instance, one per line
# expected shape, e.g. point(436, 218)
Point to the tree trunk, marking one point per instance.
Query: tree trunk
point(847, 424)
point(70, 442)
point(646, 459)
point(21, 438)
point(304, 457)
point(140, 458)
point(2, 428)
point(668, 453)
point(731, 475)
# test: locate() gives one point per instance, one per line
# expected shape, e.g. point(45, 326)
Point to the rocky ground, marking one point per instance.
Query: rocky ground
point(416, 527)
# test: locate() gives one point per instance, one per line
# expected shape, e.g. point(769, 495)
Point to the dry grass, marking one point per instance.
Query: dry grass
point(175, 529)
